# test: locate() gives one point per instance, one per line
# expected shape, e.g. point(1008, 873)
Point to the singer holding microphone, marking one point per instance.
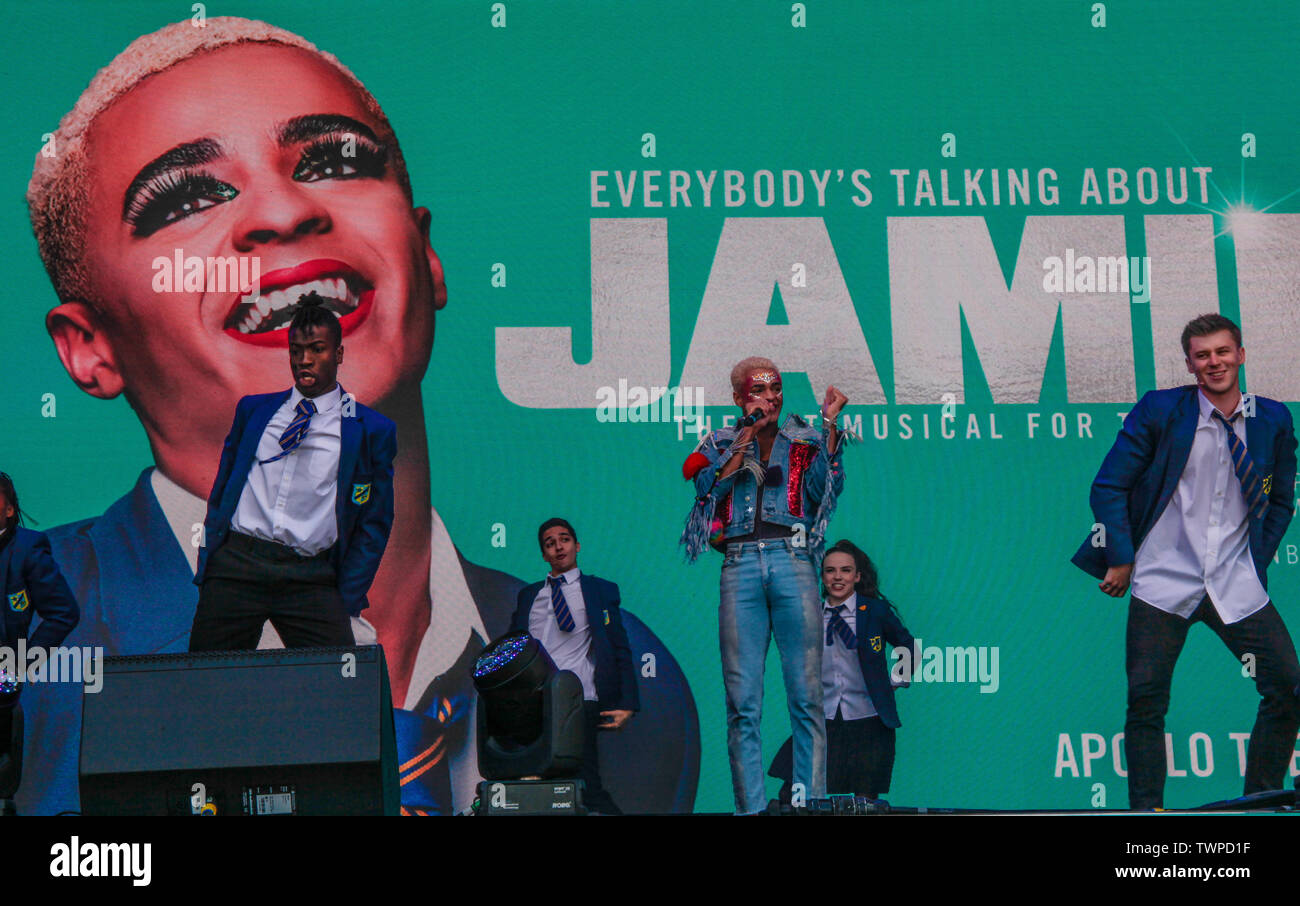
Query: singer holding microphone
point(764, 497)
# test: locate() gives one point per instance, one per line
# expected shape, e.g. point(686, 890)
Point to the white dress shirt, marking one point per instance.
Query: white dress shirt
point(1200, 545)
point(291, 500)
point(843, 687)
point(569, 650)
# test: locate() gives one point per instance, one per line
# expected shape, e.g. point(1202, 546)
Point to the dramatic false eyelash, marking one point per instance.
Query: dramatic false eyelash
point(149, 206)
point(368, 157)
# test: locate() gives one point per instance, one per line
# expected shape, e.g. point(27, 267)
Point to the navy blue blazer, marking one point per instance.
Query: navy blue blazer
point(877, 625)
point(134, 587)
point(1141, 472)
point(33, 584)
point(616, 688)
point(364, 504)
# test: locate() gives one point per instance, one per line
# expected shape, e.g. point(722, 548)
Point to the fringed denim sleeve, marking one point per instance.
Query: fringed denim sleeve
point(709, 489)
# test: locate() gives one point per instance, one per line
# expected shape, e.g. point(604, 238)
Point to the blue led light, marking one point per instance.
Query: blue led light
point(498, 657)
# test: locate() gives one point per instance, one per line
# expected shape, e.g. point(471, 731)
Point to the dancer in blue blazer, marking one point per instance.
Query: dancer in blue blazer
point(857, 687)
point(577, 619)
point(301, 507)
point(31, 583)
point(1190, 505)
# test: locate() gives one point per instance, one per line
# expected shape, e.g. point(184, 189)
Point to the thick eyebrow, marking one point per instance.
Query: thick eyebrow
point(304, 128)
point(189, 154)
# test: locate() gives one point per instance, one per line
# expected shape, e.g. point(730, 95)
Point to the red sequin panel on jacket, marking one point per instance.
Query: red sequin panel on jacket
point(801, 455)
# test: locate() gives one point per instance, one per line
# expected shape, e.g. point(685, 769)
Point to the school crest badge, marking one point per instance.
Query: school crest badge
point(360, 493)
point(18, 601)
point(875, 643)
point(1268, 484)
point(607, 618)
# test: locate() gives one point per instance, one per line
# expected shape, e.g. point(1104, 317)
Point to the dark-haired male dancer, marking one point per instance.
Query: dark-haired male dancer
point(1193, 499)
point(299, 514)
point(577, 618)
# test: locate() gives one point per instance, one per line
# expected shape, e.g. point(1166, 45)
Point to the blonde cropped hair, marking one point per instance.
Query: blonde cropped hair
point(57, 194)
point(745, 366)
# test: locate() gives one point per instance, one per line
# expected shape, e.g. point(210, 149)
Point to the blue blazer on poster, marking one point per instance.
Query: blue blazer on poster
point(1139, 475)
point(616, 688)
point(34, 585)
point(364, 504)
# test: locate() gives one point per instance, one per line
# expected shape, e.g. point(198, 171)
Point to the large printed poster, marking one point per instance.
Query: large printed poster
point(550, 229)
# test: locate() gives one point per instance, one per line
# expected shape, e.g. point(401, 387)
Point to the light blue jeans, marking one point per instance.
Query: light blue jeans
point(769, 588)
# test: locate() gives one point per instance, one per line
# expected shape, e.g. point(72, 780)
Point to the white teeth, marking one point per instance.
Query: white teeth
point(256, 308)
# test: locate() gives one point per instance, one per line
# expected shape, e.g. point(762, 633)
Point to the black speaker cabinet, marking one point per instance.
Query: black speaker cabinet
point(303, 731)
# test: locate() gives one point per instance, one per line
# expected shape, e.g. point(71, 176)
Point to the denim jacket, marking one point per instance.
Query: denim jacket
point(811, 480)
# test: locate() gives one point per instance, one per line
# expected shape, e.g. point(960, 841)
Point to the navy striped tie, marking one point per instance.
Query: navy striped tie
point(1252, 491)
point(296, 431)
point(562, 614)
point(839, 627)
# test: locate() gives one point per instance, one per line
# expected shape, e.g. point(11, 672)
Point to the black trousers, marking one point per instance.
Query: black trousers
point(249, 581)
point(595, 797)
point(1154, 640)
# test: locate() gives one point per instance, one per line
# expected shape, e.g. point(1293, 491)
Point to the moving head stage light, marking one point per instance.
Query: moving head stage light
point(530, 725)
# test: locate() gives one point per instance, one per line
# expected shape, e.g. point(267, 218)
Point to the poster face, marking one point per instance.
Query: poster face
point(550, 231)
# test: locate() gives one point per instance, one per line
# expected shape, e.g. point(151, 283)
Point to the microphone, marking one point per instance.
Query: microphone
point(750, 419)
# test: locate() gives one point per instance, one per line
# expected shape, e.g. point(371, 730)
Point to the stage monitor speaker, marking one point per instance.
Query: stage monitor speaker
point(306, 731)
